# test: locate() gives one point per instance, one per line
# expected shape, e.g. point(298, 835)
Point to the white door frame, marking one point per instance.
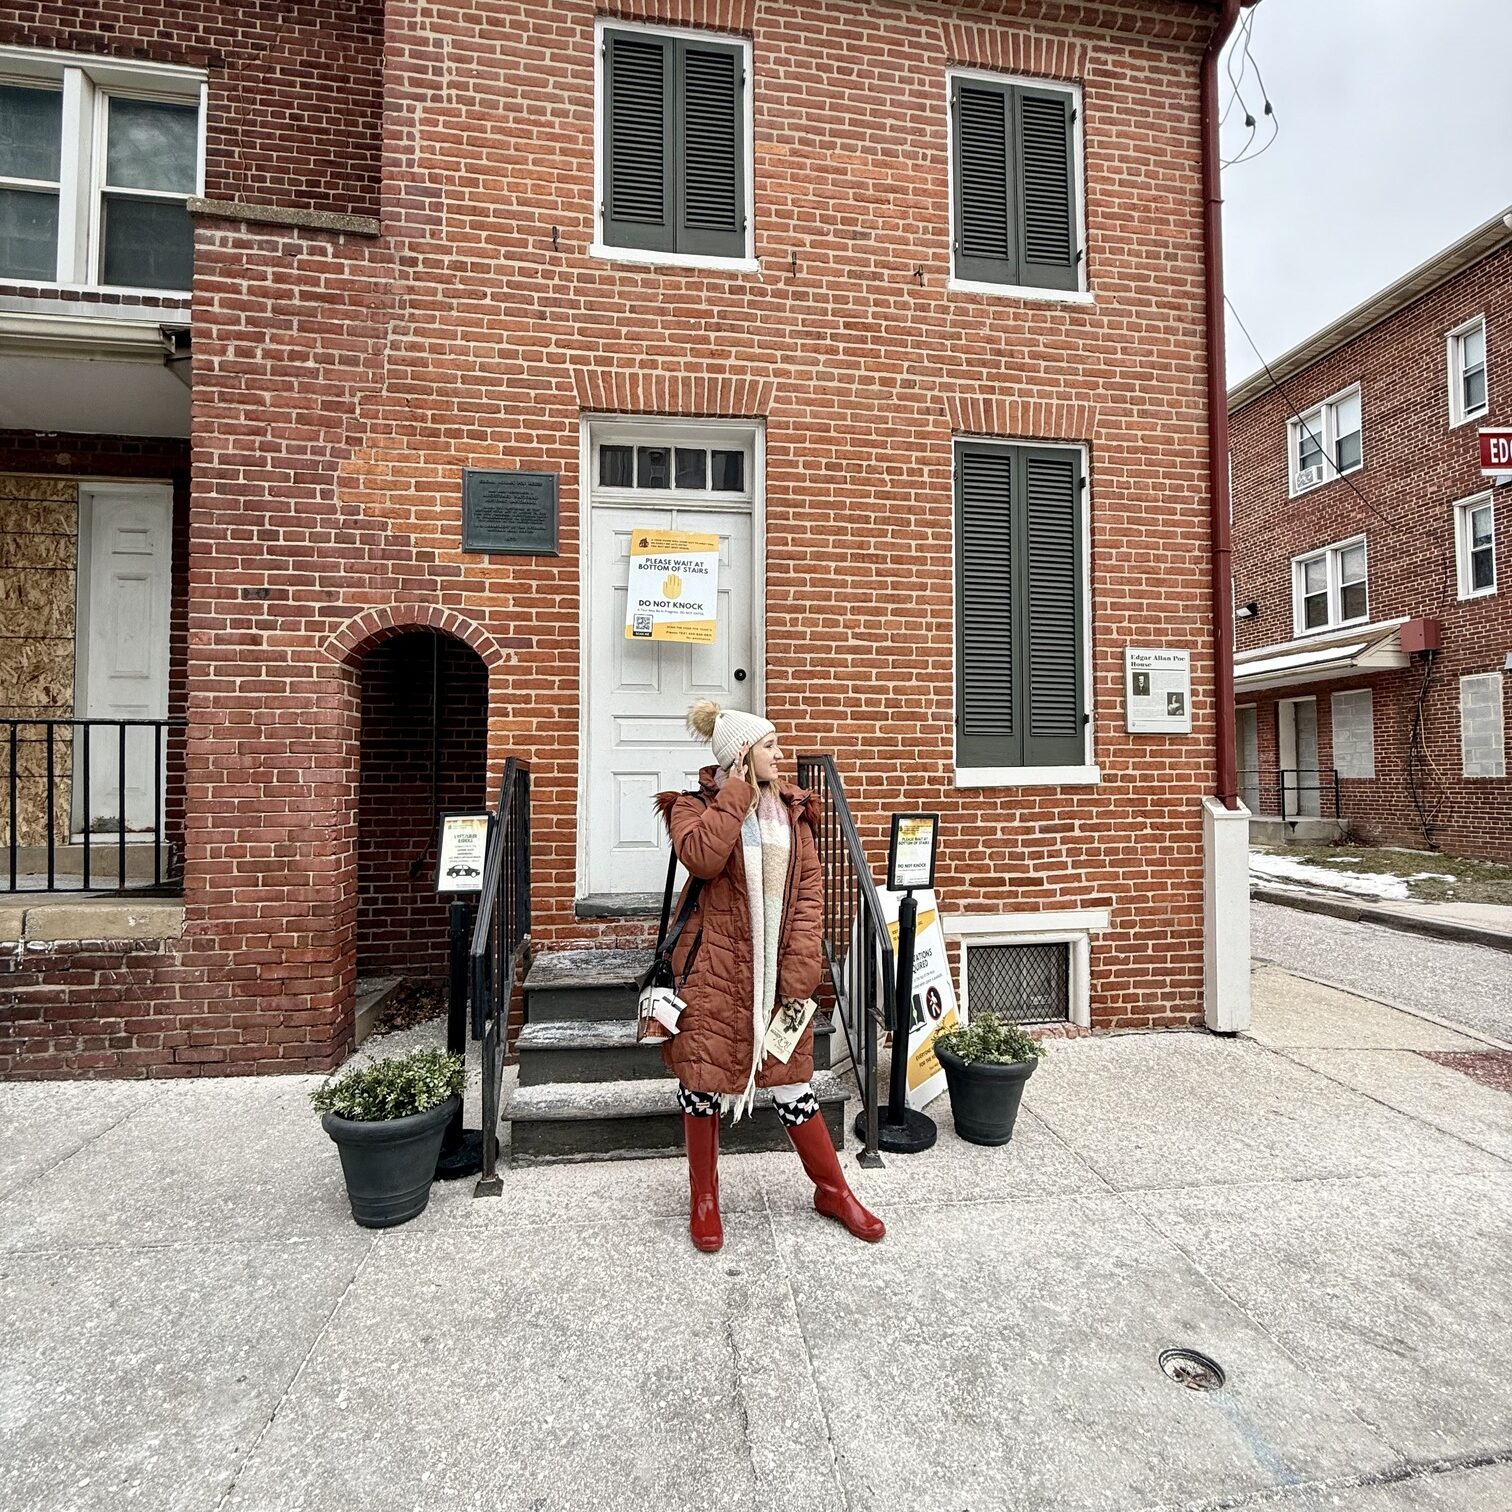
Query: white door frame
point(673, 426)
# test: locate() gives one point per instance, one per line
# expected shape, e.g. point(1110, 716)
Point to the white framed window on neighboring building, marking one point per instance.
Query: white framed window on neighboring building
point(1475, 546)
point(98, 159)
point(1329, 588)
point(1326, 442)
point(674, 167)
point(1483, 730)
point(1469, 396)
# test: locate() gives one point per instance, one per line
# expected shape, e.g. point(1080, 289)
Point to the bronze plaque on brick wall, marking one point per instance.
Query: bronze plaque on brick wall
point(514, 513)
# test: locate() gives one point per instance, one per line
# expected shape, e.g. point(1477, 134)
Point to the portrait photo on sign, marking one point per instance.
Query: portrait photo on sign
point(1175, 703)
point(1141, 684)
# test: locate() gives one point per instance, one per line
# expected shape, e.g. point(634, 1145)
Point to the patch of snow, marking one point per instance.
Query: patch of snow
point(1284, 869)
point(1340, 860)
point(1432, 877)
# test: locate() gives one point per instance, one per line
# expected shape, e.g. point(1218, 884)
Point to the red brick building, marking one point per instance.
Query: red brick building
point(907, 305)
point(1372, 676)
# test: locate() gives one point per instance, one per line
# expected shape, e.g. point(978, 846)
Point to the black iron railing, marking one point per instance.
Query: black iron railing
point(500, 934)
point(1292, 792)
point(82, 794)
point(857, 946)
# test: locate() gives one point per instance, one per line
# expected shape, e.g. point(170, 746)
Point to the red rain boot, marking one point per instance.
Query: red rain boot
point(701, 1135)
point(832, 1195)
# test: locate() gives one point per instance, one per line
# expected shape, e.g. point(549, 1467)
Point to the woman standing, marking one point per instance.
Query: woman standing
point(754, 942)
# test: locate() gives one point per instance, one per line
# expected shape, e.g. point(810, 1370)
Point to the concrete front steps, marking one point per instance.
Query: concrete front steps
point(587, 1091)
point(1267, 830)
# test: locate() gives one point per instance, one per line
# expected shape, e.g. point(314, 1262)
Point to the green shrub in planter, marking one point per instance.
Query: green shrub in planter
point(986, 1065)
point(388, 1121)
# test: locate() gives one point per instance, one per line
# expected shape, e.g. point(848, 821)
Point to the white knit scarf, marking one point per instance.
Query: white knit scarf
point(766, 843)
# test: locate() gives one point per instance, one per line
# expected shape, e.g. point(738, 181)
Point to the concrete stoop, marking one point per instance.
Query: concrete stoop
point(1272, 831)
point(587, 1091)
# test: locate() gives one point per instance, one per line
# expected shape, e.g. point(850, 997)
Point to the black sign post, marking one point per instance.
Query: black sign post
point(902, 1130)
point(460, 849)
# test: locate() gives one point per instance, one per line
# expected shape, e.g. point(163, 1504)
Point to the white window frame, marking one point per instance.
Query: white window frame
point(650, 255)
point(1088, 774)
point(87, 85)
point(1334, 556)
point(1454, 346)
point(1326, 430)
point(1463, 510)
point(1067, 926)
point(1082, 293)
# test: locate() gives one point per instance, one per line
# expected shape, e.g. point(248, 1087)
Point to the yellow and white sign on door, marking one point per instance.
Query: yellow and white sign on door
point(674, 580)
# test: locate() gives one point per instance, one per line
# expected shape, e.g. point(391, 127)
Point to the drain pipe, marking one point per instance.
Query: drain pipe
point(1217, 398)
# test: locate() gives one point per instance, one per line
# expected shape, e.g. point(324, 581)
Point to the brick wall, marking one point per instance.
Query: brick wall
point(1416, 468)
point(420, 756)
point(342, 384)
point(295, 88)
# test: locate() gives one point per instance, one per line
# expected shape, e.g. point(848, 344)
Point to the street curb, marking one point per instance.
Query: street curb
point(1364, 913)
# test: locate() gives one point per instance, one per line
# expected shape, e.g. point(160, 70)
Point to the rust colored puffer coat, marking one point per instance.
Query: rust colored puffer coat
point(711, 1052)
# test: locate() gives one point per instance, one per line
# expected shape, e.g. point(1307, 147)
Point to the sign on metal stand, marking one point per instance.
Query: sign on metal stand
point(902, 1130)
point(461, 848)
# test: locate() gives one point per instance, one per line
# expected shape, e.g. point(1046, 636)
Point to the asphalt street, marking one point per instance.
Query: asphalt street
point(1467, 985)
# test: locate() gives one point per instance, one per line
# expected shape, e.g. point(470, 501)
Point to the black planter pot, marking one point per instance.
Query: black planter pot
point(984, 1098)
point(389, 1165)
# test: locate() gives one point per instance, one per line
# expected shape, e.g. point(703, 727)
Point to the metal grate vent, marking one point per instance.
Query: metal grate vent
point(1023, 984)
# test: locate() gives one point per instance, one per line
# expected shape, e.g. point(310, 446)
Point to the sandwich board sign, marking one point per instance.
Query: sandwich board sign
point(933, 1008)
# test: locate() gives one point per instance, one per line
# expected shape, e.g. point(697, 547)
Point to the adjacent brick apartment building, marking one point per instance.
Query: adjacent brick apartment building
point(1372, 678)
point(905, 303)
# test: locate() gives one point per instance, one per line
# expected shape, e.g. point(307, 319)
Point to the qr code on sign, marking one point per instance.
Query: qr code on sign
point(641, 625)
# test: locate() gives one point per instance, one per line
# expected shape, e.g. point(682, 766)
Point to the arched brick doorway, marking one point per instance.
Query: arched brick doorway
point(423, 749)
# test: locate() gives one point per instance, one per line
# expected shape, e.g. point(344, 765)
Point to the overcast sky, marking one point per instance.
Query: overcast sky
point(1395, 139)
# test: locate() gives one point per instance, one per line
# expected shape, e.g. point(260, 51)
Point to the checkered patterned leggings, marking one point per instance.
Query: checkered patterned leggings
point(795, 1104)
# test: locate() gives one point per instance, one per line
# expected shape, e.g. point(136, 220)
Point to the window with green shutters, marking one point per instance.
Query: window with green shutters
point(675, 144)
point(1021, 606)
point(1015, 196)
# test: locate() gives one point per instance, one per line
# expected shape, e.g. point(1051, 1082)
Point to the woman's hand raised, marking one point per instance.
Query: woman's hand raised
point(740, 767)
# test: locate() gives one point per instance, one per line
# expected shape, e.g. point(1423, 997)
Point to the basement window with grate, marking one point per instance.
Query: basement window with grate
point(1021, 983)
point(675, 149)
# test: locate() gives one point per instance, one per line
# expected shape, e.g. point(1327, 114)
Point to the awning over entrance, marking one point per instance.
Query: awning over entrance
point(1315, 658)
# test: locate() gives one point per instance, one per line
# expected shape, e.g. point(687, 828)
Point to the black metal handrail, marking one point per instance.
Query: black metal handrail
point(1278, 790)
point(500, 934)
point(83, 740)
point(857, 946)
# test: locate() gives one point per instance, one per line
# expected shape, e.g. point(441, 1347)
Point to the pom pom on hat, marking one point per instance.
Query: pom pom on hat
point(726, 730)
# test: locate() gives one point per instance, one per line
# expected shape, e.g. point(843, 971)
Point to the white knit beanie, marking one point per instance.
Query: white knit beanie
point(727, 730)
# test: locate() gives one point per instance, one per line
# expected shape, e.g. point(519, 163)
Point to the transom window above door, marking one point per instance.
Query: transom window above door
point(674, 462)
point(98, 160)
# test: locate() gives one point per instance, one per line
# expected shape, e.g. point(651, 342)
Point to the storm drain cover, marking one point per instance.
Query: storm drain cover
point(1193, 1370)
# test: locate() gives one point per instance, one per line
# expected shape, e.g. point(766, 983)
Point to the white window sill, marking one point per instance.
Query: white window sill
point(674, 259)
point(1029, 921)
point(956, 285)
point(1068, 776)
point(1479, 414)
point(1479, 593)
point(179, 296)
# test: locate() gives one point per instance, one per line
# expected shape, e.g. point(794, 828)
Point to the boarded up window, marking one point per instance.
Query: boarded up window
point(1483, 748)
point(1354, 734)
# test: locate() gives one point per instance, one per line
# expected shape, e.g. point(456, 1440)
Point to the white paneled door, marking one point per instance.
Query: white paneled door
point(638, 692)
point(124, 640)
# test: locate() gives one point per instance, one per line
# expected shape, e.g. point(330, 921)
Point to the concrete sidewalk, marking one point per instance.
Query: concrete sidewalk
point(189, 1319)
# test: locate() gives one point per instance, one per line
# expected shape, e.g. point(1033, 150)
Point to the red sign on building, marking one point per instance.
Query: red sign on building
point(1496, 449)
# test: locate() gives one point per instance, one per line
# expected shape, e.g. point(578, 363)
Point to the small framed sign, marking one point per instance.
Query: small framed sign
point(461, 849)
point(509, 513)
point(1157, 691)
point(911, 851)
